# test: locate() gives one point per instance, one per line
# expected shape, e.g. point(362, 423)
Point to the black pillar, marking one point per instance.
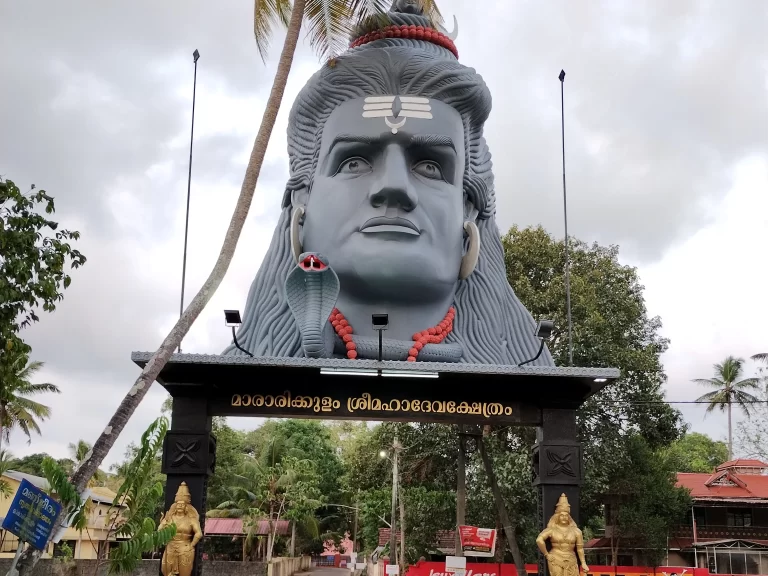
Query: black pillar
point(557, 466)
point(189, 455)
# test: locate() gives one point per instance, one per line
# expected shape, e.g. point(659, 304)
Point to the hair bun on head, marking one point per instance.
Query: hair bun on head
point(405, 21)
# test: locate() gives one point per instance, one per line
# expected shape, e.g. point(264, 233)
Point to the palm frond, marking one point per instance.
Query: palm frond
point(329, 26)
point(747, 383)
point(32, 408)
point(45, 388)
point(432, 12)
point(763, 357)
point(267, 13)
point(30, 370)
point(711, 382)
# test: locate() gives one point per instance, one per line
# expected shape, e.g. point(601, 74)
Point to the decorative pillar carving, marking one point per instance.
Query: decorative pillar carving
point(189, 456)
point(557, 466)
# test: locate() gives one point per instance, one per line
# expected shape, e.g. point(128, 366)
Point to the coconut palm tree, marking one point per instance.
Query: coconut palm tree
point(729, 390)
point(16, 409)
point(329, 23)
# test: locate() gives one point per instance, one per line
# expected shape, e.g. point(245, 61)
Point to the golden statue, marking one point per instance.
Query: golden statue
point(566, 542)
point(179, 555)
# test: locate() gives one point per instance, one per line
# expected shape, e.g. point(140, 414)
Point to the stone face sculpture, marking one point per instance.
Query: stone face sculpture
point(179, 555)
point(566, 542)
point(391, 190)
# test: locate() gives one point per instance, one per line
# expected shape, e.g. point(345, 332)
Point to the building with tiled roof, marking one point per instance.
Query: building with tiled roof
point(727, 530)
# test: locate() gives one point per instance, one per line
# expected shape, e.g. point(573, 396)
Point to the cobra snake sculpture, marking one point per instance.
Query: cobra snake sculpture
point(312, 289)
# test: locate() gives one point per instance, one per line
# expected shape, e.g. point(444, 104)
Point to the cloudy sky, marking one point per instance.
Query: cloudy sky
point(667, 153)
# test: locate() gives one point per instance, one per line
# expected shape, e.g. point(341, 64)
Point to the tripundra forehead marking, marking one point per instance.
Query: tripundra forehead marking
point(398, 107)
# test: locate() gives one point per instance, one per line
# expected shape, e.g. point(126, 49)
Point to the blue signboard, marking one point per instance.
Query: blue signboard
point(32, 515)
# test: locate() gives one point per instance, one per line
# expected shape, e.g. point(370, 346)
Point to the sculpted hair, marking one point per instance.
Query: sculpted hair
point(491, 324)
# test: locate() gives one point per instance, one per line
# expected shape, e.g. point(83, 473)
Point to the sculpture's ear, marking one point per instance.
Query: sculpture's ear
point(300, 197)
point(470, 211)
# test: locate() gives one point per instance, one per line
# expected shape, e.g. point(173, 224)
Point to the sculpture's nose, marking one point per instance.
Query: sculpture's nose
point(393, 187)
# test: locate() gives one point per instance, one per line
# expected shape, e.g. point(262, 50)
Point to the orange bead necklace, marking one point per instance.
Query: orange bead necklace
point(434, 335)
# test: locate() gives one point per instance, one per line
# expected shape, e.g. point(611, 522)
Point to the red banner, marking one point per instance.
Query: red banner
point(477, 541)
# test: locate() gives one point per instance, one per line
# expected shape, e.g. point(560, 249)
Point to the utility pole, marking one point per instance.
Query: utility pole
point(565, 217)
point(195, 57)
point(396, 447)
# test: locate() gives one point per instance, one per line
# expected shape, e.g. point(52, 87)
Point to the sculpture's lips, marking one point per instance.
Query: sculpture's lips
point(383, 224)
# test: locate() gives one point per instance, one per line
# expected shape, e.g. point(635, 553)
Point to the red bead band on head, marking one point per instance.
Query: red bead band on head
point(412, 32)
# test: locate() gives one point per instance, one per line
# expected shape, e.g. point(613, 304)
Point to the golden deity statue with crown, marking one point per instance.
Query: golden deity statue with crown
point(179, 556)
point(566, 542)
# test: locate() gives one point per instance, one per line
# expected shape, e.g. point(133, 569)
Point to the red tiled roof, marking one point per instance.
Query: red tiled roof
point(742, 463)
point(675, 543)
point(234, 527)
point(755, 486)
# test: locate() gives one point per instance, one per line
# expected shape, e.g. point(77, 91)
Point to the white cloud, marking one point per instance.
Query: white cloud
point(710, 289)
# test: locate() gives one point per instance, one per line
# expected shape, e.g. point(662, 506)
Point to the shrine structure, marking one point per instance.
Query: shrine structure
point(383, 295)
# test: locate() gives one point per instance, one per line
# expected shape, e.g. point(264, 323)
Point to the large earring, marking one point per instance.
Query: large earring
point(296, 216)
point(469, 260)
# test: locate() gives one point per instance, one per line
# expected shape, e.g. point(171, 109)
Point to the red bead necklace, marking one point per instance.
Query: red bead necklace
point(433, 335)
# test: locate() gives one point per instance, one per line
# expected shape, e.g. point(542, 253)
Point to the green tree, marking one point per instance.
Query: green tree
point(696, 452)
point(729, 390)
point(229, 459)
point(752, 433)
point(17, 410)
point(329, 24)
point(643, 502)
point(274, 486)
point(134, 509)
point(611, 328)
point(33, 268)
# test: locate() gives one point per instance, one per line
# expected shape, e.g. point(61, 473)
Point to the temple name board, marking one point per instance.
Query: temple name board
point(336, 403)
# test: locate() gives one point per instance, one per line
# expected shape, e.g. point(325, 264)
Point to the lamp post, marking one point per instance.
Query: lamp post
point(565, 216)
point(195, 57)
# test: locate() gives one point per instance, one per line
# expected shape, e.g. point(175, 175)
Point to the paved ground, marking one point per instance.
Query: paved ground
point(326, 571)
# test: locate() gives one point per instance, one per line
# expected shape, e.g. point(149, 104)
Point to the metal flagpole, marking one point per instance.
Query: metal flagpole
point(196, 57)
point(565, 216)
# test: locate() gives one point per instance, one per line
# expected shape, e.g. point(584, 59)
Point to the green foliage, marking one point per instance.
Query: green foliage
point(696, 452)
point(426, 512)
point(229, 455)
point(136, 502)
point(274, 484)
point(65, 493)
point(33, 464)
point(36, 254)
point(644, 502)
point(611, 327)
point(6, 460)
point(752, 433)
point(17, 410)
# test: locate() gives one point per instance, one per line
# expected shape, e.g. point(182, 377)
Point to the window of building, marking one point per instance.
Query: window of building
point(739, 517)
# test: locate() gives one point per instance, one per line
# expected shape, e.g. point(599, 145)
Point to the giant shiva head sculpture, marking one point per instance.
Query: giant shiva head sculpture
point(390, 209)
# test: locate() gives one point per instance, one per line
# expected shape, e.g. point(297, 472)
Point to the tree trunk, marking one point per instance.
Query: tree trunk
point(461, 490)
point(172, 341)
point(730, 428)
point(293, 538)
point(508, 519)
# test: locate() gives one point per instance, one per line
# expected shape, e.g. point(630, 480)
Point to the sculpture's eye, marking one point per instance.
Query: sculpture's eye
point(429, 169)
point(354, 166)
